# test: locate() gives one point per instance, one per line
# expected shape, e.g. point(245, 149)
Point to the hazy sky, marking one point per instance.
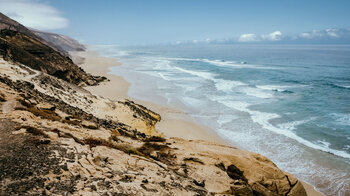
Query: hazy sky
point(162, 21)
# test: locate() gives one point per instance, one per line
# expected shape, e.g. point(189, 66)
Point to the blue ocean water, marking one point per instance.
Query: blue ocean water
point(290, 103)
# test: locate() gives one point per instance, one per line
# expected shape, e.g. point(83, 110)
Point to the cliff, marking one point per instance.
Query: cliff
point(9, 24)
point(19, 44)
point(56, 138)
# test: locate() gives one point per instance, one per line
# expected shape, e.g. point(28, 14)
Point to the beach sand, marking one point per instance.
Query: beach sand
point(174, 123)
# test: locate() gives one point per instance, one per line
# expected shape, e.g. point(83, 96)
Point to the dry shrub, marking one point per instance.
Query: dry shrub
point(35, 131)
point(114, 135)
point(193, 159)
point(47, 114)
point(93, 142)
point(72, 122)
point(2, 97)
point(155, 139)
point(128, 149)
point(163, 151)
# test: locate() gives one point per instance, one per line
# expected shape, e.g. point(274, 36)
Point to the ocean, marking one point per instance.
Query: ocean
point(290, 103)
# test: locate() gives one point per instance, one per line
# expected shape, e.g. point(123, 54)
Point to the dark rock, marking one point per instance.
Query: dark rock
point(221, 166)
point(201, 184)
point(234, 173)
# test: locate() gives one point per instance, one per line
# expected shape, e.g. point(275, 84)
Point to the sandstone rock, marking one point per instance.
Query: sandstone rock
point(46, 106)
point(90, 82)
point(89, 125)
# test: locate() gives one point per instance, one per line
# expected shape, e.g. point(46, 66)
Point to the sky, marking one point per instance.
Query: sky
point(133, 22)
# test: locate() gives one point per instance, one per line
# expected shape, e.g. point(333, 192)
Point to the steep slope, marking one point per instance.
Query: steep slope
point(19, 44)
point(9, 24)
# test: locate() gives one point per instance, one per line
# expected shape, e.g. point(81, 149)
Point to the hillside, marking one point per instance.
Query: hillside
point(18, 44)
point(62, 41)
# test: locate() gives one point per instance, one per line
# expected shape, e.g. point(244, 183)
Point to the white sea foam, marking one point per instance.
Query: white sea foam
point(257, 93)
point(202, 74)
point(263, 119)
point(234, 64)
point(341, 118)
point(292, 125)
point(222, 63)
point(226, 118)
point(163, 76)
point(324, 143)
point(220, 84)
point(227, 85)
point(157, 63)
point(342, 86)
point(192, 102)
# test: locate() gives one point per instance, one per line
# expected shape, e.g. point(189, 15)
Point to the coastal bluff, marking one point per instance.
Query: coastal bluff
point(57, 138)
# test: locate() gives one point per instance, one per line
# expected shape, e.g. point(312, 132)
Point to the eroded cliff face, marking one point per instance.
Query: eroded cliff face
point(19, 44)
point(9, 24)
point(57, 138)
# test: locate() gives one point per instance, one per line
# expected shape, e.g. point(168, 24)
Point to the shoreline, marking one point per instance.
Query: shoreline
point(174, 123)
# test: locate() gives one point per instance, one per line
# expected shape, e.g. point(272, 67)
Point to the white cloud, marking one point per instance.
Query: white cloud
point(33, 13)
point(333, 32)
point(324, 34)
point(305, 35)
point(331, 35)
point(274, 36)
point(248, 38)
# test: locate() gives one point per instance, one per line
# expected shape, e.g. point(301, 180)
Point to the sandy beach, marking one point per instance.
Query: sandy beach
point(174, 123)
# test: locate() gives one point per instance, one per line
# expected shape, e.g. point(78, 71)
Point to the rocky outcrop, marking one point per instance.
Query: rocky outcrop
point(58, 139)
